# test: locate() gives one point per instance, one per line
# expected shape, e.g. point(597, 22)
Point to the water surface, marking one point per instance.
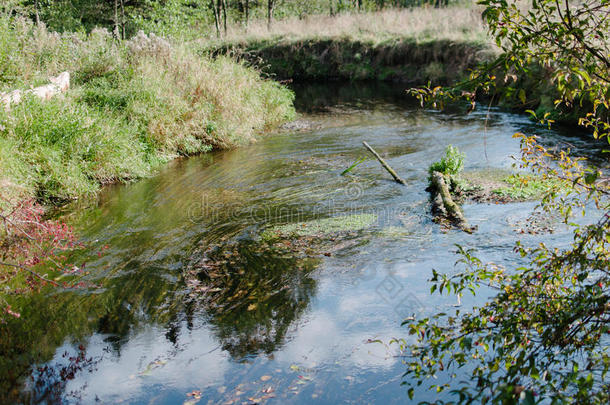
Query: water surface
point(282, 329)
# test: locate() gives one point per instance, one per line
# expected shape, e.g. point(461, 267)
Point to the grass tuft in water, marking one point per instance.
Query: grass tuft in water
point(451, 164)
point(322, 227)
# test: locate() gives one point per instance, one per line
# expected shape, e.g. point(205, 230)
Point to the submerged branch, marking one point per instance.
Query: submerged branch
point(385, 165)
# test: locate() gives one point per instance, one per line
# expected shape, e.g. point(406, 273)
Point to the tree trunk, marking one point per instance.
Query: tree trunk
point(216, 18)
point(115, 32)
point(37, 12)
point(247, 11)
point(224, 16)
point(269, 13)
point(443, 204)
point(122, 19)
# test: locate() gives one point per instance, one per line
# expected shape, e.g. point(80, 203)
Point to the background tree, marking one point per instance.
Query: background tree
point(270, 5)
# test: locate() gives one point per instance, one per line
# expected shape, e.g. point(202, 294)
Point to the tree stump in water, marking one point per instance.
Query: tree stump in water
point(443, 204)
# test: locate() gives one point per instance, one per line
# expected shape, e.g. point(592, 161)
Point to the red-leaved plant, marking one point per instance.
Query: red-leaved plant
point(29, 244)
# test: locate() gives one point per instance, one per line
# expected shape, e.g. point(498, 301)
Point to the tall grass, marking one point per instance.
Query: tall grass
point(457, 23)
point(133, 106)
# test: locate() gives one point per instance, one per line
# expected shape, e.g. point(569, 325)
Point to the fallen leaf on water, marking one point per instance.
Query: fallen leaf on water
point(196, 394)
point(294, 367)
point(196, 398)
point(265, 378)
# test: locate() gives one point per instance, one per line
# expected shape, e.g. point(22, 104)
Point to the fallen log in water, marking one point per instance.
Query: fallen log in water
point(58, 85)
point(385, 164)
point(443, 204)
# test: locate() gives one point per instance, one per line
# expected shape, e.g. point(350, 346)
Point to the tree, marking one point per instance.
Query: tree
point(270, 5)
point(543, 334)
point(216, 11)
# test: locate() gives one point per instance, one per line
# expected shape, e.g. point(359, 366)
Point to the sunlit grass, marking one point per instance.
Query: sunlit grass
point(457, 23)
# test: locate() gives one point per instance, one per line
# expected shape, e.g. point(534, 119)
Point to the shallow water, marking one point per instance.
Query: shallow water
point(287, 329)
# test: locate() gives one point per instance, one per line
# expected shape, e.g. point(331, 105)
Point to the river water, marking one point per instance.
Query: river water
point(281, 329)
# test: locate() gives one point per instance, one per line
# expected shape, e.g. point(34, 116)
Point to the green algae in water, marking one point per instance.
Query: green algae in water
point(325, 226)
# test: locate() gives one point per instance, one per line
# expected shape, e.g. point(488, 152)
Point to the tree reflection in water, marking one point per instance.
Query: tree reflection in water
point(252, 293)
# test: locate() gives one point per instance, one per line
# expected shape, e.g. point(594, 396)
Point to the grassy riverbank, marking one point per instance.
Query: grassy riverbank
point(413, 46)
point(132, 106)
point(406, 45)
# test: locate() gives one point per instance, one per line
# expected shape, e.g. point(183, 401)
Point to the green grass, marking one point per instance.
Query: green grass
point(451, 164)
point(527, 187)
point(133, 106)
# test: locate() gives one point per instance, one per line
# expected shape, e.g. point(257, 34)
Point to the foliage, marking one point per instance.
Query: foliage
point(565, 44)
point(450, 164)
point(29, 242)
point(542, 335)
point(184, 17)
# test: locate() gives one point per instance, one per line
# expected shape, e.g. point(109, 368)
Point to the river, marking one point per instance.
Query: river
point(281, 329)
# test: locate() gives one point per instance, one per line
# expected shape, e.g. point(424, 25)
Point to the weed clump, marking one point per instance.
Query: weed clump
point(451, 164)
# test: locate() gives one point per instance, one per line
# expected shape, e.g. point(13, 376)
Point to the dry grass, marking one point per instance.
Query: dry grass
point(421, 24)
